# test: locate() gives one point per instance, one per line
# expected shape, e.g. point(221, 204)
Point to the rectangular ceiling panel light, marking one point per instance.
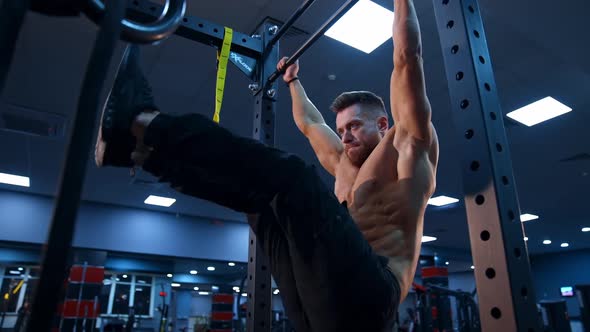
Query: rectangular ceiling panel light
point(539, 111)
point(528, 217)
point(159, 201)
point(442, 201)
point(15, 180)
point(428, 239)
point(365, 26)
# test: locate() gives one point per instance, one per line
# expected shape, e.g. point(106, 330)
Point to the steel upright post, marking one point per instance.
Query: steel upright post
point(502, 270)
point(259, 276)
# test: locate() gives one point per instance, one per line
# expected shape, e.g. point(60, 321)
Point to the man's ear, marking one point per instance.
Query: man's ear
point(382, 124)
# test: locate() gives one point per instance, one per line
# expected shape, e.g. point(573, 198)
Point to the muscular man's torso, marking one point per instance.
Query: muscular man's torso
point(387, 196)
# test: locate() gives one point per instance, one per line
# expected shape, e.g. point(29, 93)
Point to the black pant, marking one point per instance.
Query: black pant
point(329, 277)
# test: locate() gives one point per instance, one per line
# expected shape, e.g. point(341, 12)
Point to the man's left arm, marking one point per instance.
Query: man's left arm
point(409, 104)
point(412, 117)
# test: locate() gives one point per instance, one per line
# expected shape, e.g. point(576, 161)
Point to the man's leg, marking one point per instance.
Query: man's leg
point(327, 253)
point(200, 170)
point(130, 99)
point(340, 281)
point(207, 161)
point(276, 246)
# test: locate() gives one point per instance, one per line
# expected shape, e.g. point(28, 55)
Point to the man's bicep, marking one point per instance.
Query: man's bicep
point(326, 145)
point(410, 106)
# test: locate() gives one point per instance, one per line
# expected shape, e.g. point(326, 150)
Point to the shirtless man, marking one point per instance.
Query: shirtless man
point(343, 261)
point(377, 168)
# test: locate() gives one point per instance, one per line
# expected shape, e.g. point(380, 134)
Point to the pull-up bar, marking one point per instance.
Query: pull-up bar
point(320, 32)
point(290, 22)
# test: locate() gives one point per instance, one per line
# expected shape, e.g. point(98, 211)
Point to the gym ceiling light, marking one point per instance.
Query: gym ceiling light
point(159, 201)
point(428, 239)
point(442, 200)
point(15, 180)
point(539, 111)
point(528, 217)
point(365, 26)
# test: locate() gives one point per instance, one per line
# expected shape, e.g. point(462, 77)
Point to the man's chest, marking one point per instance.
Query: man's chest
point(345, 178)
point(379, 168)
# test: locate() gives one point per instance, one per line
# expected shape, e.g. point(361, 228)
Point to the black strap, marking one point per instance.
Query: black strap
point(292, 80)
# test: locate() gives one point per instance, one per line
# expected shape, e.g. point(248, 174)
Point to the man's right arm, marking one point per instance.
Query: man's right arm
point(324, 141)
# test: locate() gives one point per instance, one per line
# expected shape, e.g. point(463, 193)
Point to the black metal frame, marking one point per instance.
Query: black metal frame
point(61, 232)
point(12, 16)
point(467, 310)
point(259, 315)
point(209, 33)
point(502, 269)
point(314, 37)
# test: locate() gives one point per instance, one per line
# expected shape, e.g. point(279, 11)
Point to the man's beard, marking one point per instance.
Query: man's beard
point(359, 155)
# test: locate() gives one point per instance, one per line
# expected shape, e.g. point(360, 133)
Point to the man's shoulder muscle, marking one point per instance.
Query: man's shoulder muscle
point(416, 157)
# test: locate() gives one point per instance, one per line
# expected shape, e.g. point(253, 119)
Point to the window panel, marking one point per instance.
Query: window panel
point(142, 299)
point(121, 282)
point(105, 293)
point(121, 301)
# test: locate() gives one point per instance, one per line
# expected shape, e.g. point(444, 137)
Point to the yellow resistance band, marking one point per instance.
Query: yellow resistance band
point(20, 284)
point(222, 58)
point(15, 291)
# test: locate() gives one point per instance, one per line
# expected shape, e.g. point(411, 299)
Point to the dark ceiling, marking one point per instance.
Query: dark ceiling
point(536, 47)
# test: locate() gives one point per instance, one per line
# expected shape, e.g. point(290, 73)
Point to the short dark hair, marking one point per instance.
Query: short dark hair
point(372, 102)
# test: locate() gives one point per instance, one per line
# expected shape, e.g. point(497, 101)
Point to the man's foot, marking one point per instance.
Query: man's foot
point(130, 96)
